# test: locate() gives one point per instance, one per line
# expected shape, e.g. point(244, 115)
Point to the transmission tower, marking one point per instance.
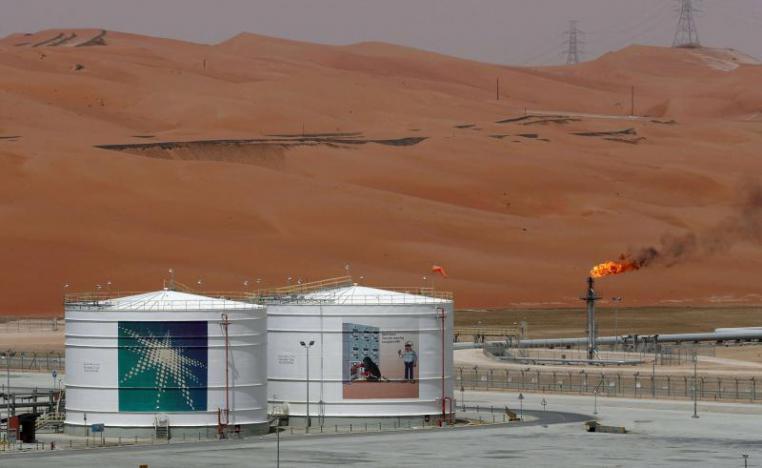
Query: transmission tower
point(686, 34)
point(574, 42)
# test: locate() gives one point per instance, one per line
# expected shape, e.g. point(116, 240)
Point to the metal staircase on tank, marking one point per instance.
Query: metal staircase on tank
point(161, 427)
point(51, 420)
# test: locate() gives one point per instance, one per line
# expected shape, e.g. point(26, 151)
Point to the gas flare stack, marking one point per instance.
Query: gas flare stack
point(590, 298)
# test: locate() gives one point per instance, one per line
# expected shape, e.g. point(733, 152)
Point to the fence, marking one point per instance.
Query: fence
point(614, 384)
point(33, 361)
point(26, 325)
point(665, 354)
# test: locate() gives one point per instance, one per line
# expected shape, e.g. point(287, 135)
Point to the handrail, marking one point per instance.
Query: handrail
point(328, 291)
point(179, 305)
point(312, 286)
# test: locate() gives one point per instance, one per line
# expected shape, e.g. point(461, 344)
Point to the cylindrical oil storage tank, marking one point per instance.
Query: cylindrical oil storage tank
point(142, 363)
point(373, 353)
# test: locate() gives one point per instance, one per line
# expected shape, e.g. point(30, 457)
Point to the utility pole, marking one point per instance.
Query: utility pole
point(632, 101)
point(497, 89)
point(574, 42)
point(686, 34)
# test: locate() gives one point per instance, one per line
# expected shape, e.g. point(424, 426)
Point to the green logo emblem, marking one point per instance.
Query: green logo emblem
point(162, 366)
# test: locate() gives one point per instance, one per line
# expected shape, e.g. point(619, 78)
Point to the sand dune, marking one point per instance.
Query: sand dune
point(516, 219)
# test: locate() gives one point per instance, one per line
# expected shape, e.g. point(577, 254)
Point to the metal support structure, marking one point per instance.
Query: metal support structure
point(573, 42)
point(686, 34)
point(590, 298)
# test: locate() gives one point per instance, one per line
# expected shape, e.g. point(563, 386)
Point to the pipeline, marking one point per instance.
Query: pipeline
point(718, 336)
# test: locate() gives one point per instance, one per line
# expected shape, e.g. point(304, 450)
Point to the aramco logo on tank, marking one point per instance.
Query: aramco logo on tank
point(162, 366)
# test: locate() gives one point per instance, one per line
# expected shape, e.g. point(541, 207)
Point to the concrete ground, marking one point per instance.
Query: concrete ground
point(662, 433)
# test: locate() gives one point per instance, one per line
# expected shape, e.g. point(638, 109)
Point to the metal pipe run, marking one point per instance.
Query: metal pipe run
point(717, 337)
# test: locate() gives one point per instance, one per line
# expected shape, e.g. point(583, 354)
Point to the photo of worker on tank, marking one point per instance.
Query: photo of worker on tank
point(378, 363)
point(409, 358)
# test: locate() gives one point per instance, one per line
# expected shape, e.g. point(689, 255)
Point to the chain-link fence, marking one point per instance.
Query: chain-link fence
point(53, 360)
point(615, 384)
point(30, 325)
point(664, 354)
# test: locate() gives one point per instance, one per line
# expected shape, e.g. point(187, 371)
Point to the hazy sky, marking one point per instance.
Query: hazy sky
point(500, 31)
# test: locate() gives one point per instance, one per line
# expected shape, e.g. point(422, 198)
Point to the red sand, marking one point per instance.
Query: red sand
point(515, 221)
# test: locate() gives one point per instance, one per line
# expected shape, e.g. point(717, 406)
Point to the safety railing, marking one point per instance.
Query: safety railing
point(31, 361)
point(614, 384)
point(320, 292)
point(30, 325)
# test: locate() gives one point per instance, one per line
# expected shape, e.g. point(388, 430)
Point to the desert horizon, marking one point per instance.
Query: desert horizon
point(122, 156)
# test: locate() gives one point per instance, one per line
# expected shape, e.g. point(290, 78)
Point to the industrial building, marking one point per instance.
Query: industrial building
point(165, 362)
point(338, 352)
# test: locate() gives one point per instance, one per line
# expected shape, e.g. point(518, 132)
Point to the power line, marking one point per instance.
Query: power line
point(686, 34)
point(655, 21)
point(552, 49)
point(574, 42)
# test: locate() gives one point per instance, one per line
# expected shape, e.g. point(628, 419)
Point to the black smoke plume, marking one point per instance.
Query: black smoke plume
point(744, 226)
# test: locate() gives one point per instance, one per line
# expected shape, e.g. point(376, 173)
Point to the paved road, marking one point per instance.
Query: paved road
point(662, 434)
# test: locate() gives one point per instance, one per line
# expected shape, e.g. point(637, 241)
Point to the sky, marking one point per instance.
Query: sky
point(517, 32)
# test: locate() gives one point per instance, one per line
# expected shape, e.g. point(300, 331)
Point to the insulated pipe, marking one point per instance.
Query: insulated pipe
point(740, 335)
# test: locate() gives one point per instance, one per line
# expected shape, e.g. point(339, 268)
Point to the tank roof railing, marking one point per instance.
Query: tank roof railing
point(161, 305)
point(308, 287)
point(397, 296)
point(328, 291)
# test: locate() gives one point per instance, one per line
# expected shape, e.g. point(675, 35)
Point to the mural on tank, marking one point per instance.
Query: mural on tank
point(379, 363)
point(162, 366)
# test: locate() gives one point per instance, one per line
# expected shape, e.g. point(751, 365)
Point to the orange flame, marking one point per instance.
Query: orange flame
point(613, 268)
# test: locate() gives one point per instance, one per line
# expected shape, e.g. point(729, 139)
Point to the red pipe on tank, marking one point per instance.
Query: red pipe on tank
point(443, 315)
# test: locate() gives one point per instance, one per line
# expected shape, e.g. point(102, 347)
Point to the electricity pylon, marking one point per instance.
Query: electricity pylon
point(574, 42)
point(686, 34)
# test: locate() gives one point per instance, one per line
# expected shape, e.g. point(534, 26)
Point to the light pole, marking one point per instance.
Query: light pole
point(277, 446)
point(307, 346)
point(695, 385)
point(521, 407)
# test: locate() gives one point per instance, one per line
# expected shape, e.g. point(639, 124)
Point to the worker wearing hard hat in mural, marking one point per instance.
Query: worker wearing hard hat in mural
point(409, 358)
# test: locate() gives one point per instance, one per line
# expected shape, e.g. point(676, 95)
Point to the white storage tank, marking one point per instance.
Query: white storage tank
point(375, 354)
point(165, 358)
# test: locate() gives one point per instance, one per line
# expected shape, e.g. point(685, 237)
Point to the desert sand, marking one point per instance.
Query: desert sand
point(388, 159)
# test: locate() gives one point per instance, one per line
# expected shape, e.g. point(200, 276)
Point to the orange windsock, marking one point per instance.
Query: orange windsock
point(440, 270)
